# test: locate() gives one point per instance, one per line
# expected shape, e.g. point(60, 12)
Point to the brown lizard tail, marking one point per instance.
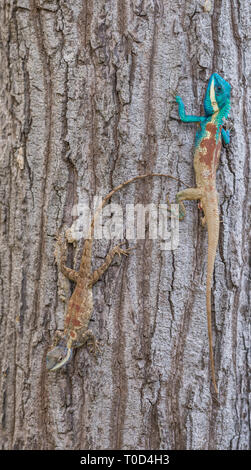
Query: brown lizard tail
point(122, 185)
point(212, 218)
point(89, 240)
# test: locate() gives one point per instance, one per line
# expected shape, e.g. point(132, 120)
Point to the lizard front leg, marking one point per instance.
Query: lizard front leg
point(225, 136)
point(182, 114)
point(58, 337)
point(115, 251)
point(92, 343)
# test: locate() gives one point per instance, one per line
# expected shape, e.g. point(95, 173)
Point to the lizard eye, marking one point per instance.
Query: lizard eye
point(218, 88)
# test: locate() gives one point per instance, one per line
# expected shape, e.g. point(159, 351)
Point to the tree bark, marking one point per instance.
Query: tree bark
point(87, 101)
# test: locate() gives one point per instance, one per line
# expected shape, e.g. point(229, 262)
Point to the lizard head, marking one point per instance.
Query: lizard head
point(58, 356)
point(217, 95)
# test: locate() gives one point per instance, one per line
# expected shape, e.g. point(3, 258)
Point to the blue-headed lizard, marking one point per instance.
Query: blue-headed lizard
point(206, 159)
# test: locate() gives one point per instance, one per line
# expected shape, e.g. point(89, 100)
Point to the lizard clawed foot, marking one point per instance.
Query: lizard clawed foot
point(203, 221)
point(92, 343)
point(125, 252)
point(182, 211)
point(93, 347)
point(57, 338)
point(119, 251)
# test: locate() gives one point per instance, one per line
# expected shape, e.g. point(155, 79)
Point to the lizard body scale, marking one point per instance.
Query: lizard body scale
point(80, 305)
point(206, 159)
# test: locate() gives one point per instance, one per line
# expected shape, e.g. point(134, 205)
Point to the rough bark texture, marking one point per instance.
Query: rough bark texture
point(87, 100)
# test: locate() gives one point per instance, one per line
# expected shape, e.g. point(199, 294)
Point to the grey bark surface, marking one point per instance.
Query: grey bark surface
point(87, 101)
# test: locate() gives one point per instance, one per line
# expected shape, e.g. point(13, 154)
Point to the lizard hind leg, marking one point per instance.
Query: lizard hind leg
point(68, 272)
point(190, 194)
point(203, 221)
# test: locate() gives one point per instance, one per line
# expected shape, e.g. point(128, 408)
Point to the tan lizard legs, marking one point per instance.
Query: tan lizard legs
point(73, 275)
point(189, 194)
point(108, 259)
point(68, 272)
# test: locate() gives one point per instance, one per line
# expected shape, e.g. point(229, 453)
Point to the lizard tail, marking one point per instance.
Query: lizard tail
point(122, 185)
point(89, 240)
point(212, 218)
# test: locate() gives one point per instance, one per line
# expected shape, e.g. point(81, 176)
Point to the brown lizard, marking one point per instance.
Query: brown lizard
point(76, 332)
point(206, 160)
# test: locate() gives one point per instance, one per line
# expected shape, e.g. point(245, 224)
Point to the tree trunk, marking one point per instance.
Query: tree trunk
point(87, 101)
